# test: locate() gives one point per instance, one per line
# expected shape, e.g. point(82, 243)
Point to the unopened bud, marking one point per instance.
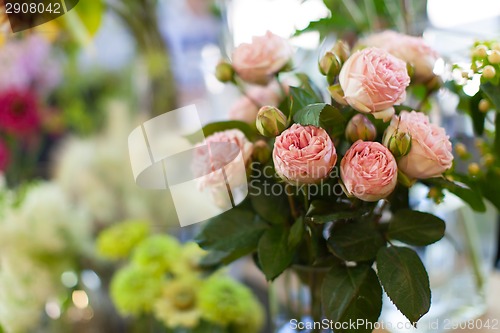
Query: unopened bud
point(488, 160)
point(410, 69)
point(400, 144)
point(261, 152)
point(436, 194)
point(342, 50)
point(271, 121)
point(337, 94)
point(494, 57)
point(330, 65)
point(481, 51)
point(360, 128)
point(474, 169)
point(461, 150)
point(489, 72)
point(484, 105)
point(224, 72)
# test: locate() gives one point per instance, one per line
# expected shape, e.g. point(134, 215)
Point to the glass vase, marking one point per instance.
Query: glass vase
point(458, 265)
point(295, 300)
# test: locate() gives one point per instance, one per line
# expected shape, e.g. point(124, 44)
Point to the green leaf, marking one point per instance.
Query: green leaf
point(308, 85)
point(416, 228)
point(211, 128)
point(473, 198)
point(493, 94)
point(296, 233)
point(355, 241)
point(300, 98)
point(405, 281)
point(351, 294)
point(274, 252)
point(235, 233)
point(272, 208)
point(322, 115)
point(491, 183)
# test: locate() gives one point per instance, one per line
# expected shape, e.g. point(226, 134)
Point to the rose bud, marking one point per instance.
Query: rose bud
point(304, 155)
point(430, 154)
point(360, 128)
point(260, 60)
point(224, 72)
point(330, 65)
point(261, 152)
point(399, 144)
point(374, 81)
point(369, 171)
point(271, 121)
point(341, 50)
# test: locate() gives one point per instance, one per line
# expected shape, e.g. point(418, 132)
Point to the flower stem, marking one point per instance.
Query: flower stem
point(470, 236)
point(291, 203)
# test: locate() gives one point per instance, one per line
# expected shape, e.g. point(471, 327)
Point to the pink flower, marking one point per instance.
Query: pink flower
point(246, 108)
point(259, 61)
point(304, 154)
point(369, 171)
point(222, 150)
point(374, 81)
point(29, 64)
point(4, 156)
point(430, 153)
point(413, 50)
point(18, 112)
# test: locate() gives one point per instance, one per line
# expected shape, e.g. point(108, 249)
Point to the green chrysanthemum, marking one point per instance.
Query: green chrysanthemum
point(189, 261)
point(158, 253)
point(118, 241)
point(224, 301)
point(178, 304)
point(134, 290)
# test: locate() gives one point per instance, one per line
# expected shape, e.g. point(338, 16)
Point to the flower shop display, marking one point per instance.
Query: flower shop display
point(163, 279)
point(43, 236)
point(29, 74)
point(329, 182)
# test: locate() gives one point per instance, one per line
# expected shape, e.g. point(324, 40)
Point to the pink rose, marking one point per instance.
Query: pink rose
point(259, 61)
point(246, 108)
point(430, 153)
point(374, 81)
point(304, 154)
point(369, 171)
point(413, 50)
point(221, 150)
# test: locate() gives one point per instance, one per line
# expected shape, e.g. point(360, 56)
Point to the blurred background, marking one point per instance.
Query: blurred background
point(72, 89)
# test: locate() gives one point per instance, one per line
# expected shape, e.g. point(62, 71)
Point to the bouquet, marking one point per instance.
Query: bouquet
point(329, 182)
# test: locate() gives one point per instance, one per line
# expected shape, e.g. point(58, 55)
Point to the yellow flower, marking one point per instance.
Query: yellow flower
point(134, 290)
point(118, 241)
point(158, 253)
point(189, 261)
point(178, 305)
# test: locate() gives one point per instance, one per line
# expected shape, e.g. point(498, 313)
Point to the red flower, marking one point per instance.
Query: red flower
point(18, 112)
point(4, 156)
